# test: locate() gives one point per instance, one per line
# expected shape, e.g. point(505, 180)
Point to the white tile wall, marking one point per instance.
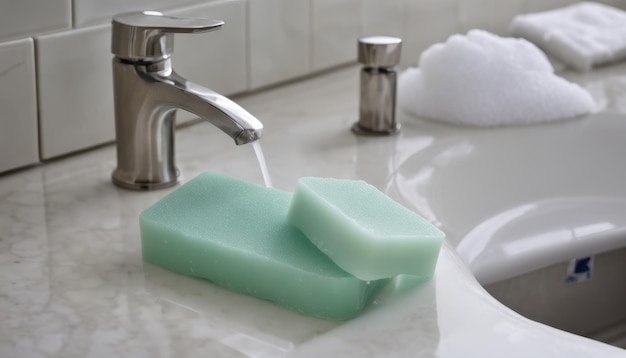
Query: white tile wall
point(543, 5)
point(217, 59)
point(621, 4)
point(18, 105)
point(427, 22)
point(89, 11)
point(26, 17)
point(336, 28)
point(280, 44)
point(506, 11)
point(472, 14)
point(75, 90)
point(384, 17)
point(264, 42)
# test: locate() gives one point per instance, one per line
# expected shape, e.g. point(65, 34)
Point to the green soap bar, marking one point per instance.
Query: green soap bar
point(364, 231)
point(235, 234)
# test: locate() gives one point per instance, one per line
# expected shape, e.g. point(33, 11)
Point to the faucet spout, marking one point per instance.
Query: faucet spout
point(207, 104)
point(146, 98)
point(147, 92)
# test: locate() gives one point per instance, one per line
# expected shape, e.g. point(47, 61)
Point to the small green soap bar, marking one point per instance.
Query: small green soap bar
point(364, 231)
point(235, 234)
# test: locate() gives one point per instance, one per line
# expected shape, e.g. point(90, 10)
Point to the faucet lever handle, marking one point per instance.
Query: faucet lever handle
point(148, 36)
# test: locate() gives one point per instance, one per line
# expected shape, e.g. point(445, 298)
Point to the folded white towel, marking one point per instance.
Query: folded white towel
point(580, 35)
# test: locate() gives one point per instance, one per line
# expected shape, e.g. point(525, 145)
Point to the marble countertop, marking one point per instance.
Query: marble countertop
point(73, 283)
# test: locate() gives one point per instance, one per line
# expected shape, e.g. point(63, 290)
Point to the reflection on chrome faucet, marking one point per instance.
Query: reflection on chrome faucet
point(147, 92)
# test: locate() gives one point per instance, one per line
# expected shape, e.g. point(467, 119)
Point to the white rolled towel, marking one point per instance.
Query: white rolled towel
point(581, 35)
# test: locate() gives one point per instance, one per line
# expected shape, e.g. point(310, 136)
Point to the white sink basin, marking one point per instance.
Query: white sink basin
point(515, 199)
point(519, 204)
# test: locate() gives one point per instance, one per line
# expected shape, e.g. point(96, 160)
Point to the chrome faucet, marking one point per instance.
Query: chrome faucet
point(147, 92)
point(377, 113)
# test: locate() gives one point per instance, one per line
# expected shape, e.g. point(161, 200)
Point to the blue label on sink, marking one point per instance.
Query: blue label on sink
point(579, 270)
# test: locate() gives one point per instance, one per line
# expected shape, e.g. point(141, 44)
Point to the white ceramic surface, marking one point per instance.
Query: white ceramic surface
point(75, 88)
point(21, 18)
point(18, 105)
point(336, 24)
point(73, 284)
point(517, 199)
point(280, 40)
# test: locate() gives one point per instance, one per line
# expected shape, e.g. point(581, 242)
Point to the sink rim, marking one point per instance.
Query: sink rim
point(485, 240)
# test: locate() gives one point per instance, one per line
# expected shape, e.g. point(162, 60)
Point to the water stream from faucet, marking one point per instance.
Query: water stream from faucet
point(256, 145)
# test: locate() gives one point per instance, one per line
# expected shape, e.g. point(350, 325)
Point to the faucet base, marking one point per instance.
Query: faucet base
point(358, 129)
point(127, 182)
